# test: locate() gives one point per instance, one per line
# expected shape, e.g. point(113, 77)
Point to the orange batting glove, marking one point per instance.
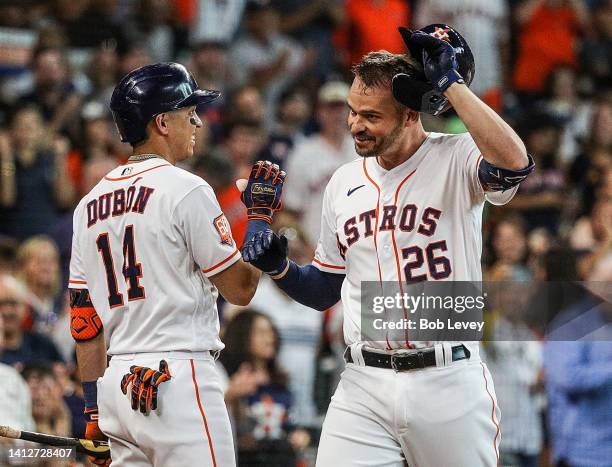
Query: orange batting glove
point(93, 432)
point(144, 383)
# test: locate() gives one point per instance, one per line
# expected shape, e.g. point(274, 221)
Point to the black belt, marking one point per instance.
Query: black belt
point(402, 361)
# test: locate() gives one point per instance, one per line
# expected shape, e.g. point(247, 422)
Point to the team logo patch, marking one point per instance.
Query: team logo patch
point(441, 33)
point(223, 228)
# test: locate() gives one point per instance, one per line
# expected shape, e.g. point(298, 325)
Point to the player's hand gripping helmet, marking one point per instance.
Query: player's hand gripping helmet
point(413, 89)
point(151, 90)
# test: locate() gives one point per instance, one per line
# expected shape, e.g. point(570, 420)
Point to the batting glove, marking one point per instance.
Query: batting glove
point(145, 382)
point(262, 195)
point(439, 61)
point(266, 251)
point(93, 432)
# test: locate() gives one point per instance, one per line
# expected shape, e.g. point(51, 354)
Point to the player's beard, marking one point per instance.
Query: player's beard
point(382, 144)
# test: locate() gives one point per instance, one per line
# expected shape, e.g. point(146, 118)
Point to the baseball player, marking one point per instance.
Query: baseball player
point(150, 250)
point(408, 210)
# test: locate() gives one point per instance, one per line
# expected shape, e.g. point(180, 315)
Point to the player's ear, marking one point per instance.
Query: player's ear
point(161, 123)
point(413, 115)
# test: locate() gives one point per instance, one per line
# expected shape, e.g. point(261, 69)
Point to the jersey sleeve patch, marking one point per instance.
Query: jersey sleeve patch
point(223, 229)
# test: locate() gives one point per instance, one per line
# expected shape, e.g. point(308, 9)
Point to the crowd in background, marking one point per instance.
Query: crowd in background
point(283, 68)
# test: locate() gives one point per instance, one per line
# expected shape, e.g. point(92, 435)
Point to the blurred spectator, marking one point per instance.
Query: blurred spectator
point(35, 183)
point(72, 393)
point(8, 255)
point(265, 437)
point(210, 66)
point(299, 329)
point(102, 74)
point(53, 91)
point(217, 21)
point(514, 356)
point(485, 26)
point(579, 380)
point(99, 138)
point(371, 25)
point(265, 57)
point(589, 169)
point(596, 49)
point(246, 104)
point(150, 26)
point(510, 248)
point(316, 158)
point(15, 403)
point(294, 110)
point(574, 113)
point(312, 23)
point(548, 33)
point(134, 56)
point(21, 347)
point(39, 270)
point(49, 410)
point(541, 196)
point(243, 141)
point(594, 235)
point(89, 23)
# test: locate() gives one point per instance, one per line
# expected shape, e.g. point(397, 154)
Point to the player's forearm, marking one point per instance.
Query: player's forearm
point(310, 286)
point(497, 141)
point(91, 357)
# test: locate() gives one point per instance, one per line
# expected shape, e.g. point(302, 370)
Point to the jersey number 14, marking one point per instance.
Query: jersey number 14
point(132, 271)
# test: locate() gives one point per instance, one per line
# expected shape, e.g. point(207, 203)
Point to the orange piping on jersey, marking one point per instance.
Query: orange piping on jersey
point(137, 173)
point(197, 393)
point(397, 261)
point(365, 170)
point(492, 414)
point(206, 271)
point(315, 260)
point(77, 282)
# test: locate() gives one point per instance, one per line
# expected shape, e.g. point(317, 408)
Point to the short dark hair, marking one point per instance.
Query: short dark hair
point(379, 68)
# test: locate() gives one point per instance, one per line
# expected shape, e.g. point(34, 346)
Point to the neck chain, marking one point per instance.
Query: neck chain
point(143, 157)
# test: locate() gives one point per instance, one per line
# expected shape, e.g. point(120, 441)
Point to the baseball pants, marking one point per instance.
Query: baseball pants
point(190, 426)
point(445, 416)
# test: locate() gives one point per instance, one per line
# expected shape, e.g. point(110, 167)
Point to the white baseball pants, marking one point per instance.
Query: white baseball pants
point(190, 426)
point(434, 417)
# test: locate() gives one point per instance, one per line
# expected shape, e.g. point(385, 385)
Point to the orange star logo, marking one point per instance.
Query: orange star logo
point(441, 33)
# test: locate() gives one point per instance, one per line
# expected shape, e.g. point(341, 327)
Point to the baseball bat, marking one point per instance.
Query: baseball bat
point(95, 448)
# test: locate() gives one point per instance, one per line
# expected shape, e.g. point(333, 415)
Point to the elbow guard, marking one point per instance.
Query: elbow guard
point(85, 324)
point(494, 178)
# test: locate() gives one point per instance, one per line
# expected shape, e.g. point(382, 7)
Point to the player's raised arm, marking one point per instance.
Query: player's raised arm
point(505, 159)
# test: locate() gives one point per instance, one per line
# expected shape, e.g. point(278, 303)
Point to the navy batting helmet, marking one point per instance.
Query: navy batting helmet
point(413, 89)
point(151, 90)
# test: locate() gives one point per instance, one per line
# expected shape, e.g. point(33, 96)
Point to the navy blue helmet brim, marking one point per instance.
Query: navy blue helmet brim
point(199, 97)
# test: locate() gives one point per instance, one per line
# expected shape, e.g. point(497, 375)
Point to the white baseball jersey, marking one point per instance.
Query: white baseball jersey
point(146, 240)
point(418, 221)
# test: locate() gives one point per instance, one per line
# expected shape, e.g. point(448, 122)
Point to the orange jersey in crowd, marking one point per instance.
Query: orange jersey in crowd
point(372, 25)
point(546, 41)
